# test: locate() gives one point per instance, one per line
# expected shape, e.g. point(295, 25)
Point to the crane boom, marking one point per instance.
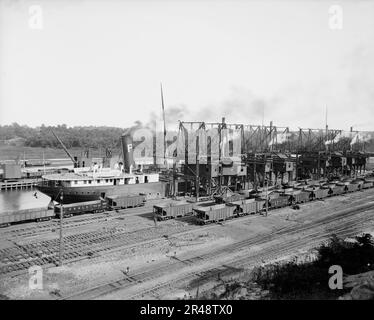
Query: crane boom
point(65, 149)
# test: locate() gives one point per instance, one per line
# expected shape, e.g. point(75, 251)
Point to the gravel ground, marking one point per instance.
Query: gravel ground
point(157, 250)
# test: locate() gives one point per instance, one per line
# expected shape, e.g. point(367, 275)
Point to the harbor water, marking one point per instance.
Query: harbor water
point(22, 199)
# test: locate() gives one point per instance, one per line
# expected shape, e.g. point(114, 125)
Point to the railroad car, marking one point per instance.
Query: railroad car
point(359, 181)
point(352, 187)
point(279, 202)
point(270, 194)
point(300, 197)
point(260, 205)
point(336, 190)
point(247, 193)
point(38, 214)
point(215, 213)
point(238, 211)
point(250, 206)
point(81, 207)
point(311, 182)
point(244, 207)
point(367, 185)
point(232, 206)
point(172, 210)
point(320, 194)
point(123, 202)
point(231, 198)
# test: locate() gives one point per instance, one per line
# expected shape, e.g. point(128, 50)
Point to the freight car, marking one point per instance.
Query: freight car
point(231, 198)
point(172, 210)
point(260, 205)
point(251, 206)
point(205, 212)
point(276, 199)
point(358, 181)
point(244, 207)
point(215, 213)
point(36, 214)
point(320, 194)
point(81, 207)
point(279, 202)
point(336, 190)
point(41, 214)
point(352, 187)
point(367, 185)
point(300, 197)
point(122, 202)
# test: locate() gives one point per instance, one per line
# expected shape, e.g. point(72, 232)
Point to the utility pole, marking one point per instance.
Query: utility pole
point(220, 167)
point(61, 218)
point(175, 181)
point(267, 198)
point(197, 180)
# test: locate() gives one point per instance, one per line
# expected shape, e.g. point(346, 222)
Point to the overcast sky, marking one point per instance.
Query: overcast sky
point(101, 62)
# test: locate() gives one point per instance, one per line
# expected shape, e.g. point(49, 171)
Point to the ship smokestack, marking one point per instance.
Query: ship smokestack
point(128, 153)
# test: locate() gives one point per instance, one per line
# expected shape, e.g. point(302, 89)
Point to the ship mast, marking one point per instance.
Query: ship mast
point(163, 118)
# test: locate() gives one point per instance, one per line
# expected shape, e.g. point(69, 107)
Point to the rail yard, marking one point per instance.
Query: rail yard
point(174, 229)
point(190, 153)
point(124, 255)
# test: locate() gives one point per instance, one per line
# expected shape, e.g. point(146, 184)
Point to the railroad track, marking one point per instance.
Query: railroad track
point(193, 280)
point(45, 227)
point(176, 265)
point(82, 246)
point(91, 244)
point(39, 228)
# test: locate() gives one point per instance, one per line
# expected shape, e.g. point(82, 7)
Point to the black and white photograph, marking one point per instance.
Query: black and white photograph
point(193, 152)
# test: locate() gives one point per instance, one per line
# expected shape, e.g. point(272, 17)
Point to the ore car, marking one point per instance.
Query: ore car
point(172, 210)
point(125, 201)
point(215, 213)
point(37, 214)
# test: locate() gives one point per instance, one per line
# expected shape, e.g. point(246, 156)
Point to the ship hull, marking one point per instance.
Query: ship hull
point(79, 194)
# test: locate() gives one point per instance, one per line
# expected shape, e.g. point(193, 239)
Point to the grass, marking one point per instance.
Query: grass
point(301, 281)
point(310, 280)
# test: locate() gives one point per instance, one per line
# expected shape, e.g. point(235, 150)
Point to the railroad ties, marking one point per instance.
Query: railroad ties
point(86, 245)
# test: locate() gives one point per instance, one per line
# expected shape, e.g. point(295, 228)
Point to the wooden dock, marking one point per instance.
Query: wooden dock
point(18, 185)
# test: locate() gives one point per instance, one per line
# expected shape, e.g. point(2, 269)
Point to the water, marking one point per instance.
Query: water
point(22, 199)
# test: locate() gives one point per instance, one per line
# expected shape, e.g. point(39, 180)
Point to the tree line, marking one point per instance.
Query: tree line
point(80, 137)
point(102, 137)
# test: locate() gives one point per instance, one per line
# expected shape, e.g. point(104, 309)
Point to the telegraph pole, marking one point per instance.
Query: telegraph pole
point(267, 198)
point(61, 218)
point(197, 178)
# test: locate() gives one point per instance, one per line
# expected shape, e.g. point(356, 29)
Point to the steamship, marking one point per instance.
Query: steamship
point(94, 183)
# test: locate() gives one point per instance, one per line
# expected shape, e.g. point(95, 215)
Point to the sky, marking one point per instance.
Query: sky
point(101, 62)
